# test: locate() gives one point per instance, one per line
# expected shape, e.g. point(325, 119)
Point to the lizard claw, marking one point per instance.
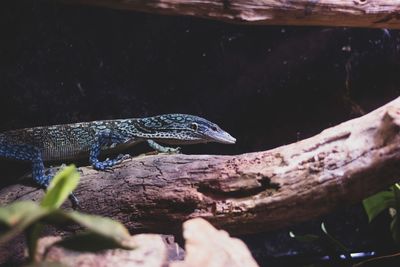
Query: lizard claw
point(122, 157)
point(172, 150)
point(74, 201)
point(126, 156)
point(80, 171)
point(52, 170)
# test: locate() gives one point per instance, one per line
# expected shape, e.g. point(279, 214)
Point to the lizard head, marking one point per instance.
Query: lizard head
point(182, 128)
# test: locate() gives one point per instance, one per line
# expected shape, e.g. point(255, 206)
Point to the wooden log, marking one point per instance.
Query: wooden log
point(352, 13)
point(246, 193)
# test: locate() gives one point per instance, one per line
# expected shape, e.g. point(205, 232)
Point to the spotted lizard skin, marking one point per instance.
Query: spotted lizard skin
point(88, 139)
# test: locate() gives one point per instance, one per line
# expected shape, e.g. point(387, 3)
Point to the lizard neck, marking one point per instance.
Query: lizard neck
point(155, 128)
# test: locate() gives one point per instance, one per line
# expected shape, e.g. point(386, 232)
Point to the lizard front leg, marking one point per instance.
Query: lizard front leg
point(33, 154)
point(44, 180)
point(162, 149)
point(105, 138)
point(27, 153)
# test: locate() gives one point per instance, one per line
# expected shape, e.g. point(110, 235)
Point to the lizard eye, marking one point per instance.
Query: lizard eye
point(214, 128)
point(194, 126)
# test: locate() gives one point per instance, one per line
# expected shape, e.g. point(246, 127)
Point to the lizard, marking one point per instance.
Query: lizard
point(88, 139)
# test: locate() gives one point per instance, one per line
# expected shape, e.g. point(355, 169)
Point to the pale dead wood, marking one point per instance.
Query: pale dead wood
point(353, 13)
point(246, 193)
point(205, 246)
point(151, 251)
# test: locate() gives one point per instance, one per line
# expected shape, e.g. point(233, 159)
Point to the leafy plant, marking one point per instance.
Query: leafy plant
point(325, 239)
point(30, 218)
point(386, 200)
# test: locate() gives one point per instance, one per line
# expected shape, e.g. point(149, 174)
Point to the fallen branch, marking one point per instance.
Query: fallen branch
point(251, 192)
point(355, 13)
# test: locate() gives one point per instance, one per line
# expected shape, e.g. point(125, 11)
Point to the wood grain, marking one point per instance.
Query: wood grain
point(352, 13)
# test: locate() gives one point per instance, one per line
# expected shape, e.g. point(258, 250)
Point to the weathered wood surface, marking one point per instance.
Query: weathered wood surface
point(251, 192)
point(205, 246)
point(353, 13)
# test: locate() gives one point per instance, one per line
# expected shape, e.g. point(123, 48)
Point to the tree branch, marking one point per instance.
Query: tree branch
point(354, 13)
point(246, 193)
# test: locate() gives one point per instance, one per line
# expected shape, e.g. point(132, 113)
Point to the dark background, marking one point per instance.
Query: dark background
point(267, 86)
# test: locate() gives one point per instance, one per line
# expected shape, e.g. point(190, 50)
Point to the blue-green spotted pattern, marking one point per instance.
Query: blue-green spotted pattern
point(88, 139)
point(70, 141)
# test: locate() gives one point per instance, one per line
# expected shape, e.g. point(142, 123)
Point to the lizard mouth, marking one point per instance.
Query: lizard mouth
point(223, 137)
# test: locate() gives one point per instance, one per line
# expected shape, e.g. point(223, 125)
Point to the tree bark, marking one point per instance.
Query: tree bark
point(246, 193)
point(353, 13)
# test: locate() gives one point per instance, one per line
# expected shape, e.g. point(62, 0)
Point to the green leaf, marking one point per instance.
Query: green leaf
point(32, 236)
point(336, 243)
point(395, 225)
point(17, 216)
point(91, 242)
point(101, 226)
point(304, 238)
point(396, 191)
point(61, 187)
point(377, 203)
point(395, 229)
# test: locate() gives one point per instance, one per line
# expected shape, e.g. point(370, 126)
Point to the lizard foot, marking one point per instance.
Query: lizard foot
point(52, 170)
point(108, 163)
point(163, 149)
point(44, 182)
point(172, 150)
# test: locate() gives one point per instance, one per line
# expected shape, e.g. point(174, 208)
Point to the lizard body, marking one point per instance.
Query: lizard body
point(88, 139)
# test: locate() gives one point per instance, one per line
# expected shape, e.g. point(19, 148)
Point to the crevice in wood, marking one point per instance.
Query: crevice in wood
point(212, 189)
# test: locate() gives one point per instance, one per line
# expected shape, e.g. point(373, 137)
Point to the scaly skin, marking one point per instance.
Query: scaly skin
point(88, 139)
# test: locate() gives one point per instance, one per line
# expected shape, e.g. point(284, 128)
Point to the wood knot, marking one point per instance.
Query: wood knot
point(360, 2)
point(389, 127)
point(244, 185)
